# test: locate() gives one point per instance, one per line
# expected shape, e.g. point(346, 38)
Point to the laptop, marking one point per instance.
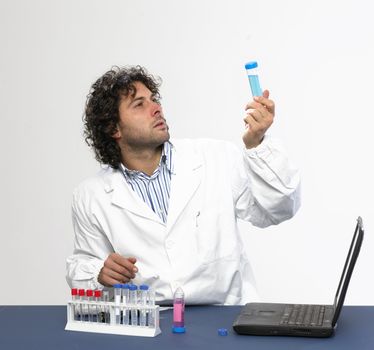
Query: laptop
point(300, 319)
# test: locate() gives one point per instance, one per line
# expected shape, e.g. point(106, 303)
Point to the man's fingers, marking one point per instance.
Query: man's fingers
point(133, 260)
point(109, 277)
point(250, 121)
point(119, 269)
point(109, 273)
point(256, 114)
point(260, 106)
point(121, 265)
point(128, 263)
point(269, 104)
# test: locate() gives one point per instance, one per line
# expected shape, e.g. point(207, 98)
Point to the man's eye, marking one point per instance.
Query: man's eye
point(139, 104)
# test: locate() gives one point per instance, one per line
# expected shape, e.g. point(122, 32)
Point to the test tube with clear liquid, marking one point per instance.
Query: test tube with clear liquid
point(151, 311)
point(90, 311)
point(133, 301)
point(117, 302)
point(106, 307)
point(125, 302)
point(143, 296)
point(97, 295)
point(82, 293)
point(74, 297)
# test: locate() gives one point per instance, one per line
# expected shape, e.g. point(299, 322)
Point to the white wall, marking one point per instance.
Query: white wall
point(316, 57)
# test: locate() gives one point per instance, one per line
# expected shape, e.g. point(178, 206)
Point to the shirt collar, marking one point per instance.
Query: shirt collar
point(167, 156)
point(166, 159)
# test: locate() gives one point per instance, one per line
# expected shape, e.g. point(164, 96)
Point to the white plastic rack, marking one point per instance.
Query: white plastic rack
point(109, 317)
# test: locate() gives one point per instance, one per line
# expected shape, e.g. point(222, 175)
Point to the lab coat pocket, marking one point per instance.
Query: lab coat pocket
point(216, 237)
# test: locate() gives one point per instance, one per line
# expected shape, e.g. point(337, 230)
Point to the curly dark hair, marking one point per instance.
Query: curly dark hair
point(101, 115)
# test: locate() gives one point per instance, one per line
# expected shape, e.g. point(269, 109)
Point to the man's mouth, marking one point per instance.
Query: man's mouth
point(160, 124)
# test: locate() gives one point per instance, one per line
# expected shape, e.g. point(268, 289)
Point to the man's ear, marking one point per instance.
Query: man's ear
point(117, 134)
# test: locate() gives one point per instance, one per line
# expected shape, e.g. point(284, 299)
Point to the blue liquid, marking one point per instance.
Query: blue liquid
point(255, 85)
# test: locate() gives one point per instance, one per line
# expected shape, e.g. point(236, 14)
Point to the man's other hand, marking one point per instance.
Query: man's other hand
point(117, 269)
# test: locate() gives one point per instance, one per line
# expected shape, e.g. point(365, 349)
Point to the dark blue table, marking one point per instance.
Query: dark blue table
point(42, 327)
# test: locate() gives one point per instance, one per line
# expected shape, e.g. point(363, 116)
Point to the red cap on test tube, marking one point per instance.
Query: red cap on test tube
point(81, 292)
point(97, 293)
point(89, 292)
point(74, 294)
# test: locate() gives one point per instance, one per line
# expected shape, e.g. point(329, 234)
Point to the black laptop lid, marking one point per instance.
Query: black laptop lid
point(350, 262)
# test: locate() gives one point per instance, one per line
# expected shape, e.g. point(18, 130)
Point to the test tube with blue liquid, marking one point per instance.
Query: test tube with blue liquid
point(252, 72)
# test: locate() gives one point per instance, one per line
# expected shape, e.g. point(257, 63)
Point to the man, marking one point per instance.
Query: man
point(165, 213)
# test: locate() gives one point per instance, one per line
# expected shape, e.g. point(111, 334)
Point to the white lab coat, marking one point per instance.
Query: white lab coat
point(199, 248)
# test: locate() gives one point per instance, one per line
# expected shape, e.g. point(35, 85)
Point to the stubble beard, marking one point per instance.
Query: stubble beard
point(151, 142)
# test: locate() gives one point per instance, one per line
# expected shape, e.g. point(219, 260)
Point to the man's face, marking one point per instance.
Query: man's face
point(141, 121)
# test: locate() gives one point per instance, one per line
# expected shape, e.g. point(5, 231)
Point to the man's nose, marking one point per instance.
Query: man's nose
point(156, 109)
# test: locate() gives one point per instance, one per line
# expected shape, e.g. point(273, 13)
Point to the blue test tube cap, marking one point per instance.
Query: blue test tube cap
point(117, 285)
point(133, 287)
point(143, 287)
point(179, 329)
point(251, 65)
point(125, 286)
point(222, 332)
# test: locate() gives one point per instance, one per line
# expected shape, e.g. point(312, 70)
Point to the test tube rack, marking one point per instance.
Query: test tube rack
point(111, 327)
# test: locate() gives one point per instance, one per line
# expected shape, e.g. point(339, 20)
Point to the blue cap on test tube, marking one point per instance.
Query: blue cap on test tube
point(125, 291)
point(222, 331)
point(254, 82)
point(251, 65)
point(143, 293)
point(117, 292)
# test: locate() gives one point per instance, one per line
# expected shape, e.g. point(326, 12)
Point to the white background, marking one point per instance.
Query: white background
point(316, 58)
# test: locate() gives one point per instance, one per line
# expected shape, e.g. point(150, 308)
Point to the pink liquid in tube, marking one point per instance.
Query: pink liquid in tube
point(178, 312)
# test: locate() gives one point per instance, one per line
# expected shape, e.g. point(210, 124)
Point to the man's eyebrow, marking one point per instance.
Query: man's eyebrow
point(136, 99)
point(141, 98)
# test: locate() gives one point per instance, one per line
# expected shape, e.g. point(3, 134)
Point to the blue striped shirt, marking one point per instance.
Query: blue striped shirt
point(154, 190)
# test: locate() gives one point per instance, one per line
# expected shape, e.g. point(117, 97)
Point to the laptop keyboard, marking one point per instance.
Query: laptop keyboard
point(304, 315)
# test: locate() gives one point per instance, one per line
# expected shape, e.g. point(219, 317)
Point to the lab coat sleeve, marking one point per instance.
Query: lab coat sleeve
point(268, 189)
point(91, 246)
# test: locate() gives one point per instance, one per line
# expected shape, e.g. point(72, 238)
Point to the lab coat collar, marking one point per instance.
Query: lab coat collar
point(124, 197)
point(185, 180)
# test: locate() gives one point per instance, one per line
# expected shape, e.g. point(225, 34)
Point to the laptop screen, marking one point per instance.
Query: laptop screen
point(348, 269)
